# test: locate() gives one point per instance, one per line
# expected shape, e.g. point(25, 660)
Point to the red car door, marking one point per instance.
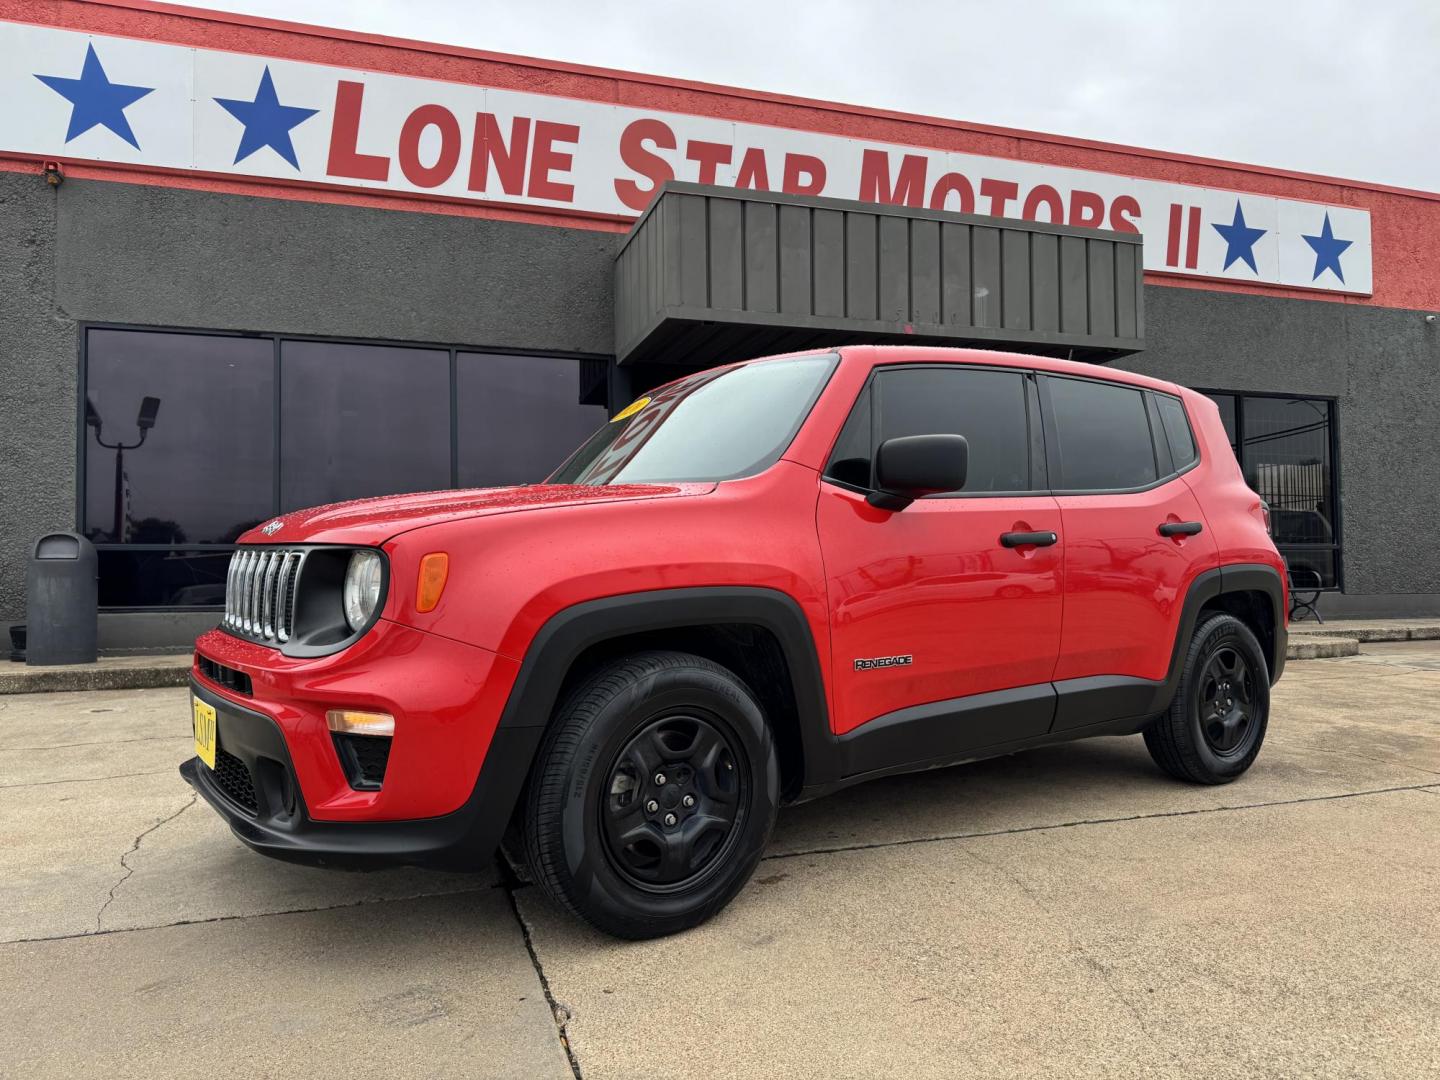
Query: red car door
point(1133, 537)
point(928, 605)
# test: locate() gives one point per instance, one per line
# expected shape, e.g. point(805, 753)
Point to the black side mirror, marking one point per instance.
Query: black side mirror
point(916, 465)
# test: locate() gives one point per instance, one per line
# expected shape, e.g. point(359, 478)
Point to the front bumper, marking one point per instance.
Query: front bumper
point(275, 821)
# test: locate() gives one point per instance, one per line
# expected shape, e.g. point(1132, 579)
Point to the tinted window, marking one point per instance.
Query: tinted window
point(520, 416)
point(716, 425)
point(204, 471)
point(1226, 404)
point(1177, 430)
point(987, 407)
point(851, 462)
point(358, 420)
point(1287, 461)
point(1103, 435)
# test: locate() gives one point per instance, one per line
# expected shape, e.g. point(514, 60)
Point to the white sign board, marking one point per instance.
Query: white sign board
point(70, 95)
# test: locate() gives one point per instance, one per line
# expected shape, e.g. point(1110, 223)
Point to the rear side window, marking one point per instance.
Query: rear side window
point(1103, 436)
point(987, 407)
point(1177, 431)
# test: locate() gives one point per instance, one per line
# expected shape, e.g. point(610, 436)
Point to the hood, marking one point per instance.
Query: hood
point(373, 521)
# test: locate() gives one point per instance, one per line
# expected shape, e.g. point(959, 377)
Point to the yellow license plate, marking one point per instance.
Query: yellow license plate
point(204, 722)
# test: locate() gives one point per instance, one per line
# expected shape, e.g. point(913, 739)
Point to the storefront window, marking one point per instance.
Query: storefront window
point(189, 441)
point(498, 398)
point(358, 420)
point(1285, 446)
point(199, 468)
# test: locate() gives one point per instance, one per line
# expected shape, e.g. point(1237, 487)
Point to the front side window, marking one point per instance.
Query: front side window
point(986, 407)
point(717, 425)
point(1103, 435)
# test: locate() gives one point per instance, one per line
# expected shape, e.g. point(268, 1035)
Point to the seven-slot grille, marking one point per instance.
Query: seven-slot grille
point(260, 593)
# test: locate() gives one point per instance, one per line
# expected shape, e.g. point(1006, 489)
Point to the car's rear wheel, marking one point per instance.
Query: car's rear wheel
point(1216, 723)
point(653, 795)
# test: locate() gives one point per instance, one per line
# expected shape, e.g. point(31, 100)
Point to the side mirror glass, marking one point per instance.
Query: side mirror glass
point(916, 465)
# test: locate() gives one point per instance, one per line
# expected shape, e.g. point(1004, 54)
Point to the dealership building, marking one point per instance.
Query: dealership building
point(248, 266)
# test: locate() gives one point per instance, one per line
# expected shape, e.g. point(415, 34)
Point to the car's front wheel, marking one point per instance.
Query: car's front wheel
point(653, 795)
point(1216, 723)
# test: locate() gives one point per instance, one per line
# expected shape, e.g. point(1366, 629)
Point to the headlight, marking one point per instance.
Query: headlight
point(362, 589)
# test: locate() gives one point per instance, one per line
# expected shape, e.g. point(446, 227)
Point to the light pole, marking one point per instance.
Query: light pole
point(149, 409)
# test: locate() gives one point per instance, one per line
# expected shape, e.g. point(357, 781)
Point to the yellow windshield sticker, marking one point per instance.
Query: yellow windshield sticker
point(630, 410)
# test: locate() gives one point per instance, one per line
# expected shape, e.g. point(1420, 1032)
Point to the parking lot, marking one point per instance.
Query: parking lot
point(1067, 912)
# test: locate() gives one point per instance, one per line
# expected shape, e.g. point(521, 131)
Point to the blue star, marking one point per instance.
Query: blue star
point(94, 99)
point(1327, 250)
point(1239, 239)
point(267, 122)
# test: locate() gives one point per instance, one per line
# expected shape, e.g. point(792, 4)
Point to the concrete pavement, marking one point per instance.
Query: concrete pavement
point(1067, 912)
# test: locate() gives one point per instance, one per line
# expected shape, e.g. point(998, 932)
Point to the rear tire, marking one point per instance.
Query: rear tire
point(1216, 723)
point(653, 795)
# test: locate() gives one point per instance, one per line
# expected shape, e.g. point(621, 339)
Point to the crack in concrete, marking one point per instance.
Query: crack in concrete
point(1159, 815)
point(250, 915)
point(1367, 757)
point(134, 847)
point(558, 1009)
point(97, 742)
point(1078, 951)
point(96, 779)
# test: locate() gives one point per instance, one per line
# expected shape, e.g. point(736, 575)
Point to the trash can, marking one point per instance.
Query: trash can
point(61, 599)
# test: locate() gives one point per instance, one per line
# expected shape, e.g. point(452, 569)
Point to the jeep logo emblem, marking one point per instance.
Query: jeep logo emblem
point(273, 527)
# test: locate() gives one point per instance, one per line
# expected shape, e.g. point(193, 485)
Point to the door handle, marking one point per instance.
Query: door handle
point(1032, 539)
point(1180, 528)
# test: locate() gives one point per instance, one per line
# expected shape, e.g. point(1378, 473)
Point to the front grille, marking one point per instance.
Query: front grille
point(224, 676)
point(364, 758)
point(233, 778)
point(260, 593)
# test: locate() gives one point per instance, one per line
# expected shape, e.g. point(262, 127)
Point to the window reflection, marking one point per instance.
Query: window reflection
point(197, 465)
point(361, 420)
point(1283, 445)
point(181, 432)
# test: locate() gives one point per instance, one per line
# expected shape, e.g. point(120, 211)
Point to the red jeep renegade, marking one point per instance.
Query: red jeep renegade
point(755, 585)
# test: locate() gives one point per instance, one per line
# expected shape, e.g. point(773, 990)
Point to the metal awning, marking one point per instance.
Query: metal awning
point(713, 274)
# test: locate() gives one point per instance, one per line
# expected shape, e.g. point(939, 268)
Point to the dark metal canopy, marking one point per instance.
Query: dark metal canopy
point(713, 274)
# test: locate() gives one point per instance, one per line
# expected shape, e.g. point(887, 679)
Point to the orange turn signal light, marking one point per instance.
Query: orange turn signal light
point(355, 722)
point(434, 569)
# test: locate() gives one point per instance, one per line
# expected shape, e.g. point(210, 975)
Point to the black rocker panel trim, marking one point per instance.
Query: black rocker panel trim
point(947, 729)
point(1082, 702)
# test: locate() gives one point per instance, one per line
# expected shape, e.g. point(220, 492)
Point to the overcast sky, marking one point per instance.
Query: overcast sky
point(1343, 88)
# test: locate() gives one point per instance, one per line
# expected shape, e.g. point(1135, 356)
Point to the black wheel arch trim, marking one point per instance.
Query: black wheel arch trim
point(568, 633)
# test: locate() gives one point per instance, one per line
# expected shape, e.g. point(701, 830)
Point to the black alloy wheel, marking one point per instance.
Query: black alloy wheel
point(1216, 722)
point(1227, 705)
point(652, 796)
point(672, 802)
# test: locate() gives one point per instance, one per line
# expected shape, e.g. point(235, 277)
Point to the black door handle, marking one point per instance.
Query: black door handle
point(1033, 539)
point(1180, 528)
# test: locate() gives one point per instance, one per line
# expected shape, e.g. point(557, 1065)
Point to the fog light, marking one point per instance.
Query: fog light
point(354, 722)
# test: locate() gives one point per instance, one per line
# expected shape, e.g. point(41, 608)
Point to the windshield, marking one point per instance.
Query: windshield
point(717, 425)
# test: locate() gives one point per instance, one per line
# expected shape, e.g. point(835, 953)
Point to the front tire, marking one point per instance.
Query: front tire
point(1216, 723)
point(653, 795)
